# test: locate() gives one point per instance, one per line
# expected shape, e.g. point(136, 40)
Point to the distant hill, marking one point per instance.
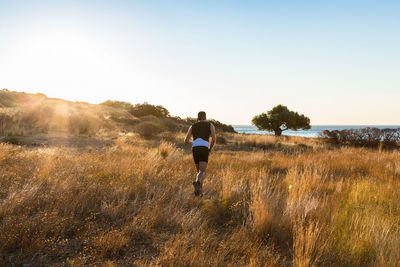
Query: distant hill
point(27, 114)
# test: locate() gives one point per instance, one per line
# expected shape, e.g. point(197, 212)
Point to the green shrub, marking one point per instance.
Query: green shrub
point(364, 137)
point(145, 109)
point(222, 127)
point(219, 126)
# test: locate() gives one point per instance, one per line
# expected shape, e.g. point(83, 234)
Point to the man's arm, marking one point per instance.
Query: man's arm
point(212, 128)
point(188, 135)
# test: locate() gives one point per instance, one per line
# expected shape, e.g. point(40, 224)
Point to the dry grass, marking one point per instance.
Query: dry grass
point(132, 204)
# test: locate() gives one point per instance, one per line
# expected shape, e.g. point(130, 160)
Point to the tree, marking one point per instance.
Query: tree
point(278, 117)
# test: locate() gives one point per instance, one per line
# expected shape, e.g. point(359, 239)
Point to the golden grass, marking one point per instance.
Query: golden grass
point(299, 203)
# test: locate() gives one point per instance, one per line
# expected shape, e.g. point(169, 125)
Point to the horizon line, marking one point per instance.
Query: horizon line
point(379, 125)
point(232, 124)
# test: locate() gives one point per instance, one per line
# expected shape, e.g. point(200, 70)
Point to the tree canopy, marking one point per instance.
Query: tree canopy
point(280, 119)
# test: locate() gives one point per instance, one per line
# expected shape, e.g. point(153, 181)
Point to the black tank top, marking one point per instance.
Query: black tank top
point(201, 130)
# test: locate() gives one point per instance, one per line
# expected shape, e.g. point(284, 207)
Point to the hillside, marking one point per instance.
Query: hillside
point(23, 114)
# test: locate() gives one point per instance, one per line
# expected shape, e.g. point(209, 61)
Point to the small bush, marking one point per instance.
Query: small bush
point(219, 126)
point(36, 118)
point(5, 122)
point(219, 212)
point(7, 99)
point(170, 125)
point(123, 119)
point(80, 125)
point(111, 244)
point(165, 149)
point(148, 129)
point(30, 120)
point(221, 140)
point(13, 140)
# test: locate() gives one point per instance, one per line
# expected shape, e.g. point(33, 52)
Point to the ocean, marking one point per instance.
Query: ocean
point(315, 130)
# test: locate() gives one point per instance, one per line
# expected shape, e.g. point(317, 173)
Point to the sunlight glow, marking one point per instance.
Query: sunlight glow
point(239, 61)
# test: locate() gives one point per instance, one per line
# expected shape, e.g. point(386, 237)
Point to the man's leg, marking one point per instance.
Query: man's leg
point(201, 172)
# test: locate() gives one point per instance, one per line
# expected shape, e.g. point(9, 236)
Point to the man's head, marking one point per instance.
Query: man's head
point(201, 115)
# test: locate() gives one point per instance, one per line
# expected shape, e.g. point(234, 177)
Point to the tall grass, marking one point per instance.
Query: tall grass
point(132, 204)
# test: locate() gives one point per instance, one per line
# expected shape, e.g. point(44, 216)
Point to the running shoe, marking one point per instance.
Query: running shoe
point(197, 188)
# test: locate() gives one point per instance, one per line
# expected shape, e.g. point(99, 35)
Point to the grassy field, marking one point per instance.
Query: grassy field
point(268, 202)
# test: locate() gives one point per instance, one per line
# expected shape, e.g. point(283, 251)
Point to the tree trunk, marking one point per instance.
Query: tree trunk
point(278, 132)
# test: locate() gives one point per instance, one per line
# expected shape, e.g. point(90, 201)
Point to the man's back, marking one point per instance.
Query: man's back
point(201, 130)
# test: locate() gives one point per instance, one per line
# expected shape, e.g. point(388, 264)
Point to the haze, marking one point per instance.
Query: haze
point(336, 62)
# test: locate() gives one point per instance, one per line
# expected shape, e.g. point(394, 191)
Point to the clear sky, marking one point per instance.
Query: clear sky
point(337, 62)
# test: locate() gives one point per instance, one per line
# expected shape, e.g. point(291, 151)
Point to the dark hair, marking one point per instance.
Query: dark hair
point(201, 115)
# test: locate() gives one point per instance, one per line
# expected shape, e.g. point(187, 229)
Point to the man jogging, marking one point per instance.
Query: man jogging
point(201, 147)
